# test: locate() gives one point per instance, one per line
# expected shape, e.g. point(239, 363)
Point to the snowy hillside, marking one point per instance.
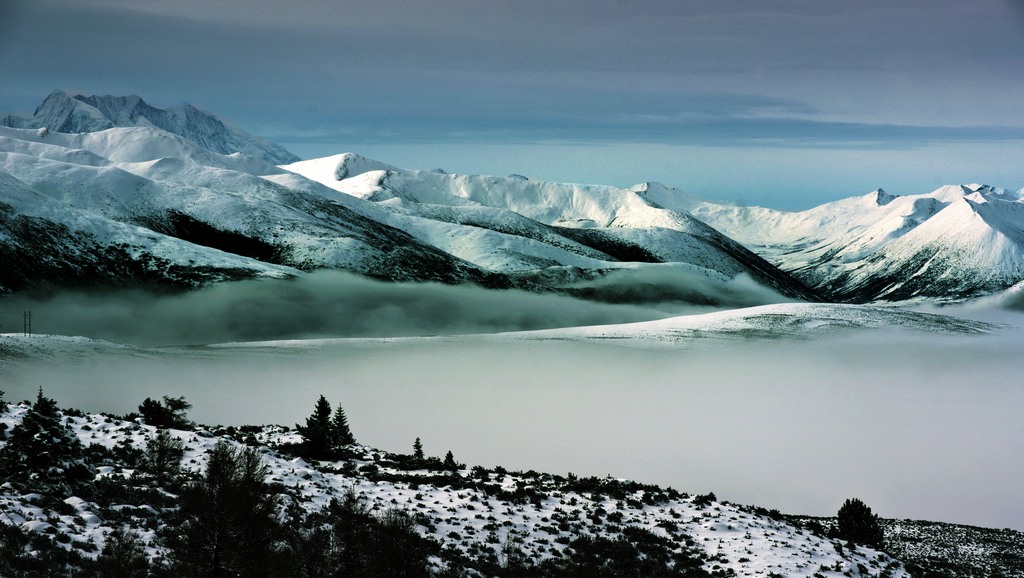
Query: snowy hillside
point(521, 223)
point(478, 521)
point(954, 243)
point(77, 113)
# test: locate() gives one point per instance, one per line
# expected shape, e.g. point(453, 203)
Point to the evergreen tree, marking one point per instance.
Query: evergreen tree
point(44, 455)
point(164, 453)
point(450, 463)
point(342, 434)
point(123, 556)
point(318, 434)
point(169, 413)
point(417, 450)
point(228, 523)
point(856, 523)
point(346, 540)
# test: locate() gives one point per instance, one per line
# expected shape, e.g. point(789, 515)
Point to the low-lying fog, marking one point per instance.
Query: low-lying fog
point(338, 304)
point(917, 425)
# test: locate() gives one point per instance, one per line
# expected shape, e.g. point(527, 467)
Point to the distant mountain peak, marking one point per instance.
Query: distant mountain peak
point(881, 197)
point(70, 112)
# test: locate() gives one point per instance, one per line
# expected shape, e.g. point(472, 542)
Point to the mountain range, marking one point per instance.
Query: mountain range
point(77, 113)
point(107, 190)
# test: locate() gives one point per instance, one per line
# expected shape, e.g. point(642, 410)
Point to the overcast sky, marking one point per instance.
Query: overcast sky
point(785, 104)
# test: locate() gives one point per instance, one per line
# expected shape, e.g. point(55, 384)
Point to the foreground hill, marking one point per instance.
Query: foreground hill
point(116, 505)
point(476, 522)
point(954, 243)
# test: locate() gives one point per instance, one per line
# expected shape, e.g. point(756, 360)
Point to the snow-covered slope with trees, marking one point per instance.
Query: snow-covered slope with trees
point(164, 493)
point(164, 186)
point(954, 243)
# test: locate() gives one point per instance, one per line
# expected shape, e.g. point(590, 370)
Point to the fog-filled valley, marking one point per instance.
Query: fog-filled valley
point(908, 420)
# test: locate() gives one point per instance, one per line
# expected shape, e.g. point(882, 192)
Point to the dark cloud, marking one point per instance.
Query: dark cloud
point(781, 75)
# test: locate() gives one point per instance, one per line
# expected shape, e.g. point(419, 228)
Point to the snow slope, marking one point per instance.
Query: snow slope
point(954, 243)
point(783, 320)
point(777, 321)
point(463, 510)
point(46, 243)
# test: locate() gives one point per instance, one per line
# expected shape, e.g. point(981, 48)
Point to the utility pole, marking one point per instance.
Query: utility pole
point(27, 320)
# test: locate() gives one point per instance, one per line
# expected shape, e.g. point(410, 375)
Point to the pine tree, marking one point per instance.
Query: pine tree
point(342, 434)
point(417, 450)
point(44, 455)
point(164, 453)
point(169, 413)
point(123, 555)
point(450, 463)
point(856, 523)
point(228, 523)
point(318, 436)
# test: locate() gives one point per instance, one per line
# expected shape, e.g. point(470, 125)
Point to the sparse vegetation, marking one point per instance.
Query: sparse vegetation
point(199, 505)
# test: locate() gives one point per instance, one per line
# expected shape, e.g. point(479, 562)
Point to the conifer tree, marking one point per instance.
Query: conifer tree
point(449, 462)
point(856, 523)
point(318, 436)
point(228, 523)
point(168, 413)
point(43, 454)
point(342, 434)
point(123, 555)
point(417, 450)
point(164, 453)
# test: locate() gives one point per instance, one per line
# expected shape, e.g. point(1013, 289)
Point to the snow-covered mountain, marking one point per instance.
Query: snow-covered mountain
point(954, 243)
point(203, 202)
point(76, 113)
point(347, 212)
point(514, 224)
point(186, 175)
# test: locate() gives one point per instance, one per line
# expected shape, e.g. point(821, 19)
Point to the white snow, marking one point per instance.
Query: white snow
point(732, 536)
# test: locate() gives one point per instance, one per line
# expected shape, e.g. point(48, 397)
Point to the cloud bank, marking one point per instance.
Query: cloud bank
point(338, 304)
